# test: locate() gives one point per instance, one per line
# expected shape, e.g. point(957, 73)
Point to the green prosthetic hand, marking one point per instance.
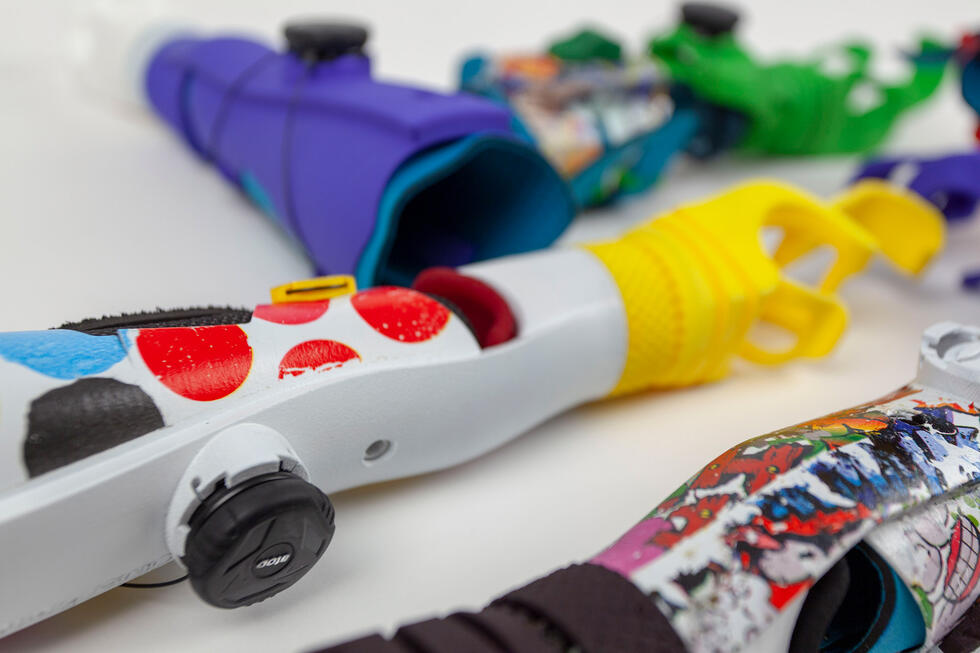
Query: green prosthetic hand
point(823, 105)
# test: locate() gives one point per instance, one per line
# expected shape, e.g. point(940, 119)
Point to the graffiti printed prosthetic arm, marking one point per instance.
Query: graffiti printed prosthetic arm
point(607, 122)
point(186, 423)
point(733, 551)
point(857, 530)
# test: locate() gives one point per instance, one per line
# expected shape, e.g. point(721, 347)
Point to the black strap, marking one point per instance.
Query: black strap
point(177, 317)
point(597, 610)
point(583, 607)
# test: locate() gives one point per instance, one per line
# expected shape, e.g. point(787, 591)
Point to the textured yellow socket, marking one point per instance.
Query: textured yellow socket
point(695, 281)
point(651, 298)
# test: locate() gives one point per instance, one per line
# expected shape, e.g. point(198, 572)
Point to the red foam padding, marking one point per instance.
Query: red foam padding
point(484, 308)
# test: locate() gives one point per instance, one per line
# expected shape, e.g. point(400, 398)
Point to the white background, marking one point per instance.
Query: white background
point(104, 210)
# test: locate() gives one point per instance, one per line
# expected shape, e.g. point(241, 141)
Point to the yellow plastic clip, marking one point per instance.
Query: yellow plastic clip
point(314, 290)
point(696, 280)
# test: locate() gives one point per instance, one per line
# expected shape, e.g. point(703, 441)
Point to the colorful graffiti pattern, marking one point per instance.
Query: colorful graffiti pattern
point(578, 110)
point(757, 526)
point(936, 551)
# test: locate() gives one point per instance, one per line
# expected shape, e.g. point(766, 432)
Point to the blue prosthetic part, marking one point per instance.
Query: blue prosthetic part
point(951, 182)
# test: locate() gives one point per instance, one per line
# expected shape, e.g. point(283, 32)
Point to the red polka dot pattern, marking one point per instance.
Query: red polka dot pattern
point(199, 363)
point(401, 314)
point(291, 313)
point(315, 356)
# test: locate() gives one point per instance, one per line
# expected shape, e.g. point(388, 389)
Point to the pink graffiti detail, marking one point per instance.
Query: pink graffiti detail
point(634, 549)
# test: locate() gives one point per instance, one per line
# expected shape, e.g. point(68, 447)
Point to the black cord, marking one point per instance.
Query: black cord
point(150, 586)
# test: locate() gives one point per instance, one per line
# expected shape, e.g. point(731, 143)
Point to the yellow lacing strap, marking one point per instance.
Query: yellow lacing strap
point(696, 280)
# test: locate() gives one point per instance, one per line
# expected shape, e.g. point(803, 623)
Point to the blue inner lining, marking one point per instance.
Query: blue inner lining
point(906, 628)
point(478, 197)
point(878, 614)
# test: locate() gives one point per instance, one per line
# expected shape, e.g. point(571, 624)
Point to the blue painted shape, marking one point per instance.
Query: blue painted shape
point(62, 354)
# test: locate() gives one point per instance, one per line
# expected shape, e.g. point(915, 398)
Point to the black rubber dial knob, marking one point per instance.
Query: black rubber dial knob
point(316, 41)
point(708, 18)
point(257, 538)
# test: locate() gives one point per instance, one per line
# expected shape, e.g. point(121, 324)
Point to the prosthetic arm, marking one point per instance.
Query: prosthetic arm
point(211, 436)
point(374, 179)
point(826, 104)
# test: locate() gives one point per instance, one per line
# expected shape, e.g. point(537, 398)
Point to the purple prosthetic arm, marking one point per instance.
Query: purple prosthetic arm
point(374, 179)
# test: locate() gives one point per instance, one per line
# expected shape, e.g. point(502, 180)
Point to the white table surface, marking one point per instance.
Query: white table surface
point(104, 210)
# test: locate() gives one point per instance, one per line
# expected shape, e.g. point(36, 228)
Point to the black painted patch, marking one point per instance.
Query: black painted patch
point(78, 420)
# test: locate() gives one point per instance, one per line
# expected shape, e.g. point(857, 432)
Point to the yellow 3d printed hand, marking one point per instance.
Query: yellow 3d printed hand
point(694, 281)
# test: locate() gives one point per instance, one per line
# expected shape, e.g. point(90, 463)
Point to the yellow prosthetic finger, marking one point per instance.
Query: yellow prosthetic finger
point(817, 320)
point(909, 230)
point(808, 224)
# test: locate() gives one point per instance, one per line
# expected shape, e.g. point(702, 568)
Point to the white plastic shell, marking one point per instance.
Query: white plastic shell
point(949, 359)
point(451, 405)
